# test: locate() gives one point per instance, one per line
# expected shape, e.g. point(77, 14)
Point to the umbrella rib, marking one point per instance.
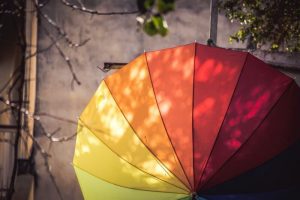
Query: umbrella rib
point(160, 162)
point(126, 160)
point(163, 122)
point(193, 105)
point(252, 135)
point(122, 185)
point(233, 93)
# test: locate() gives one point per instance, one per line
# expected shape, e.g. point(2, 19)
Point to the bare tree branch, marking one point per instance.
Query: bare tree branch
point(45, 155)
point(43, 50)
point(60, 31)
point(82, 8)
point(4, 111)
point(50, 136)
point(49, 170)
point(63, 55)
point(13, 76)
point(43, 114)
point(41, 4)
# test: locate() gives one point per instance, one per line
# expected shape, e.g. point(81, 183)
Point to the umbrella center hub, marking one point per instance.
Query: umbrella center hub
point(195, 196)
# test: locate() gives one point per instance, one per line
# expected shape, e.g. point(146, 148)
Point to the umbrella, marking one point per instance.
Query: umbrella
point(191, 122)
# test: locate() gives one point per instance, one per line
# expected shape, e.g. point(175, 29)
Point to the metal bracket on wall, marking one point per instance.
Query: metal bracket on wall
point(111, 65)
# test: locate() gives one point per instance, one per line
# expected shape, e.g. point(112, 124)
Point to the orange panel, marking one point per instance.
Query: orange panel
point(216, 74)
point(132, 90)
point(172, 78)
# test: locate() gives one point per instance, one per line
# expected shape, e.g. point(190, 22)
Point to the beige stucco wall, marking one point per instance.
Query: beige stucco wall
point(112, 39)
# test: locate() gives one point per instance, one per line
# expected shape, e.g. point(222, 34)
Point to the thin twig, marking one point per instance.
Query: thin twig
point(37, 144)
point(14, 84)
point(82, 8)
point(51, 137)
point(49, 170)
point(22, 39)
point(43, 114)
point(42, 4)
point(4, 111)
point(60, 31)
point(45, 155)
point(5, 86)
point(35, 117)
point(43, 50)
point(63, 55)
point(15, 106)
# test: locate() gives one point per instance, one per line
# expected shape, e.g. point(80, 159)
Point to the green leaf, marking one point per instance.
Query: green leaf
point(150, 28)
point(164, 6)
point(156, 25)
point(160, 24)
point(271, 24)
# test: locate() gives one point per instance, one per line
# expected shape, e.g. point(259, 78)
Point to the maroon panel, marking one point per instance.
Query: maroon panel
point(258, 89)
point(280, 129)
point(216, 74)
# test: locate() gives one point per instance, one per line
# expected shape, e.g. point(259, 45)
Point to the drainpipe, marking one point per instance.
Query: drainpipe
point(213, 29)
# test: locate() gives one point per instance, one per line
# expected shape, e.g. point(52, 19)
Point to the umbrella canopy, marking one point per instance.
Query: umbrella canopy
point(190, 122)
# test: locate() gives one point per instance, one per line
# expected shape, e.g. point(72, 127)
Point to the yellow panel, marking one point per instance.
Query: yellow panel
point(96, 189)
point(133, 92)
point(103, 117)
point(96, 158)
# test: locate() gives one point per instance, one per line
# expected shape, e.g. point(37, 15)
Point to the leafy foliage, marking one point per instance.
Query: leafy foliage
point(274, 24)
point(152, 15)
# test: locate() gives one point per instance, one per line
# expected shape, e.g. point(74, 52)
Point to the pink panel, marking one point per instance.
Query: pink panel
point(258, 90)
point(278, 130)
point(216, 74)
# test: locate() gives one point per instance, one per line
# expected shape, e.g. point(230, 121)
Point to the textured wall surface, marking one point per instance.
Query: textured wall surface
point(112, 39)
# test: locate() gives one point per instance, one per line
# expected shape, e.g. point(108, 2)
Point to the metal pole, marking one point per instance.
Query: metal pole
point(213, 20)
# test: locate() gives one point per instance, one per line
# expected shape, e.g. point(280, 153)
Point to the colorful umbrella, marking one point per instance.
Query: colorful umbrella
point(191, 122)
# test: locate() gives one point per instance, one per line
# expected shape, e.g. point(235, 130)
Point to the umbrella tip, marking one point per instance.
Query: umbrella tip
point(144, 51)
point(196, 197)
point(195, 41)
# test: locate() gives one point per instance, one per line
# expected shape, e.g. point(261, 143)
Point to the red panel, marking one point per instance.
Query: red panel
point(171, 73)
point(280, 129)
point(216, 74)
point(258, 90)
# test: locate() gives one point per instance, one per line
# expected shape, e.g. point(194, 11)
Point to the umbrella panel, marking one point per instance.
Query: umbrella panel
point(95, 189)
point(116, 133)
point(216, 74)
point(280, 173)
point(259, 88)
point(277, 132)
point(96, 158)
point(167, 74)
point(141, 110)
